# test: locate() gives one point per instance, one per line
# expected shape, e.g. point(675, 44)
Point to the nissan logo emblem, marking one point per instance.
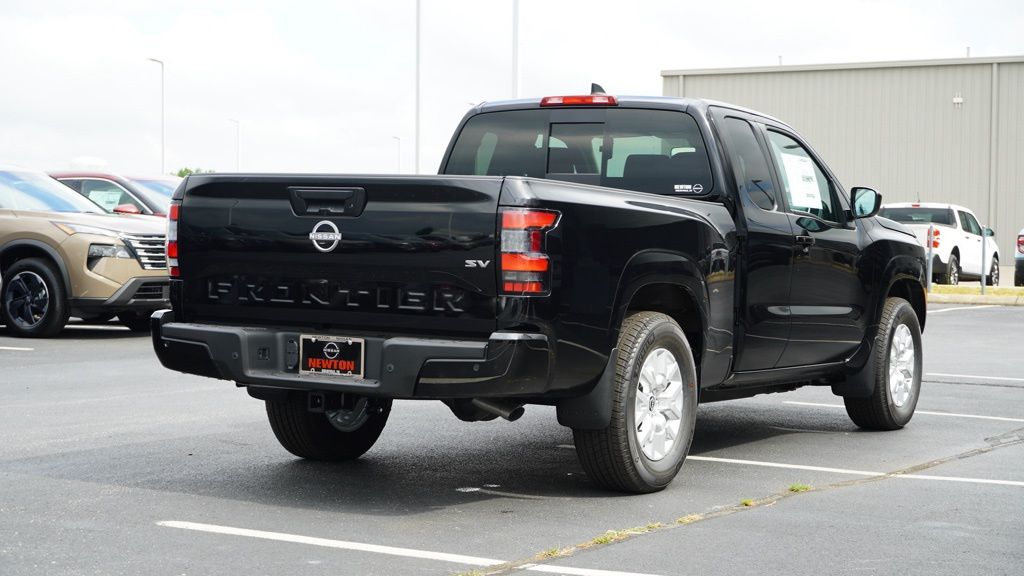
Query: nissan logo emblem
point(331, 350)
point(325, 236)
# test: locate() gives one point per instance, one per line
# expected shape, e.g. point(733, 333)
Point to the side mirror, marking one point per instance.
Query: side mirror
point(127, 209)
point(865, 201)
point(990, 232)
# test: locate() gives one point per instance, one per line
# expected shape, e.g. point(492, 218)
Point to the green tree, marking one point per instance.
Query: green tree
point(182, 172)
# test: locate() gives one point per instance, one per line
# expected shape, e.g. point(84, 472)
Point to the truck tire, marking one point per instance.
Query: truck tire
point(897, 366)
point(32, 299)
point(993, 277)
point(952, 274)
point(311, 435)
point(654, 408)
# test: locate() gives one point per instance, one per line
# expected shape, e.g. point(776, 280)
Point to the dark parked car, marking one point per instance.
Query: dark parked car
point(148, 195)
point(620, 259)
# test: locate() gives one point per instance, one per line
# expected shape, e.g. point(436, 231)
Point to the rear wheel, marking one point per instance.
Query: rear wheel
point(993, 276)
point(897, 371)
point(344, 432)
point(33, 301)
point(654, 408)
point(952, 275)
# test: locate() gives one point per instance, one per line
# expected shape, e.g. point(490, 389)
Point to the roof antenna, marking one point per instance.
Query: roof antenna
point(596, 89)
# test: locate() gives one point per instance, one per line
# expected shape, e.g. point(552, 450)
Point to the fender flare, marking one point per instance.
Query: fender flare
point(860, 377)
point(49, 250)
point(593, 411)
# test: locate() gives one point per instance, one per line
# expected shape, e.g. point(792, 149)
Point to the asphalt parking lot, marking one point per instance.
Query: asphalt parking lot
point(112, 465)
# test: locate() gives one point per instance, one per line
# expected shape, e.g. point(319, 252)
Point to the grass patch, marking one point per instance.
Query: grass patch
point(976, 290)
point(549, 554)
point(689, 519)
point(797, 488)
point(620, 535)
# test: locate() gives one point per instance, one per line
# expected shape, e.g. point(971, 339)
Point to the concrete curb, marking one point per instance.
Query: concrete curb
point(976, 299)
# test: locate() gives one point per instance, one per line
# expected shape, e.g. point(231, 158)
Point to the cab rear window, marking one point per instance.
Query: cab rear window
point(658, 151)
point(919, 215)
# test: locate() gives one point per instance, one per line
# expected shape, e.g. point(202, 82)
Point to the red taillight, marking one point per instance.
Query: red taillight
point(525, 267)
point(935, 237)
point(173, 214)
point(587, 100)
point(1020, 243)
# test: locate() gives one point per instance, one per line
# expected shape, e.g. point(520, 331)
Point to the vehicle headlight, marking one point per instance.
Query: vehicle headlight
point(108, 251)
point(71, 228)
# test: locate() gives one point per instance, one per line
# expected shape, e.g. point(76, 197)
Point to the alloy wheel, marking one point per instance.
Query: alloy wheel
point(27, 299)
point(902, 364)
point(659, 404)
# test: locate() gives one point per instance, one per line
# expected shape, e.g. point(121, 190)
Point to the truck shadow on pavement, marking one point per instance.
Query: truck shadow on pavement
point(414, 468)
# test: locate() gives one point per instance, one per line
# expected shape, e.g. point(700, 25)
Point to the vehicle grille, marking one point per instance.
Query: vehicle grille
point(149, 250)
point(158, 290)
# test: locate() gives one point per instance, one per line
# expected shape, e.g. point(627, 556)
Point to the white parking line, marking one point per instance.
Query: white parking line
point(789, 466)
point(16, 349)
point(976, 377)
point(856, 472)
point(379, 549)
point(926, 412)
point(964, 308)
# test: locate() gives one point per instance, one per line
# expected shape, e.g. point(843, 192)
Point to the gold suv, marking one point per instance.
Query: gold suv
point(61, 256)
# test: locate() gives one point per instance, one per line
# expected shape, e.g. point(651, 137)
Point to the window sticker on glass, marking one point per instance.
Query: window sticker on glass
point(802, 181)
point(107, 199)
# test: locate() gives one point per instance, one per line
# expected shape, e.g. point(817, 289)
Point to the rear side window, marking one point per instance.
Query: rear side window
point(657, 151)
point(749, 165)
point(919, 215)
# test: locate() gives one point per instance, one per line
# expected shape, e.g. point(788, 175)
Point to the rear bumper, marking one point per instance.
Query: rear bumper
point(1018, 272)
point(507, 364)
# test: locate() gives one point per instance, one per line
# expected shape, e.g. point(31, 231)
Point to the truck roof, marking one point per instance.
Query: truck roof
point(664, 102)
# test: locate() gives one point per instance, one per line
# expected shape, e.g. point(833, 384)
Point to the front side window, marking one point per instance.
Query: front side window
point(38, 192)
point(806, 186)
point(657, 151)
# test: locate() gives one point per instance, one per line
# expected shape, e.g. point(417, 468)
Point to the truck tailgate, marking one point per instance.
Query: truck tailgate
point(361, 253)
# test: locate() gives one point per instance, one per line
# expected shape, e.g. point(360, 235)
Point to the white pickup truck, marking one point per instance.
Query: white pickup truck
point(956, 240)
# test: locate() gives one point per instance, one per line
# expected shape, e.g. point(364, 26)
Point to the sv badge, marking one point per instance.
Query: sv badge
point(477, 263)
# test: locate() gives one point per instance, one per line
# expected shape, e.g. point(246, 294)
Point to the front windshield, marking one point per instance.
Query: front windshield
point(38, 192)
point(163, 187)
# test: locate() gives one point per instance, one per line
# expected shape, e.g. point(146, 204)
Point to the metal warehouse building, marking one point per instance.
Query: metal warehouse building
point(929, 130)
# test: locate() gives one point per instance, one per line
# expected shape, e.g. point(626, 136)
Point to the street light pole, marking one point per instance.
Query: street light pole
point(163, 141)
point(238, 141)
point(399, 140)
point(416, 143)
point(515, 48)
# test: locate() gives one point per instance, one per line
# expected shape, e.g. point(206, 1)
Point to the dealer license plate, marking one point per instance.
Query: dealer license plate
point(331, 355)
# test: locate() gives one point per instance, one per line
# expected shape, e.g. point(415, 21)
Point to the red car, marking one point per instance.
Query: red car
point(148, 195)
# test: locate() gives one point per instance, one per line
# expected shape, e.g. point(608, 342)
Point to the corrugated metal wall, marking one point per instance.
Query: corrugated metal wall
point(898, 129)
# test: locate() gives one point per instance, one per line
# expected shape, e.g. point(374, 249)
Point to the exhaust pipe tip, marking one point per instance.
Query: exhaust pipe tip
point(510, 411)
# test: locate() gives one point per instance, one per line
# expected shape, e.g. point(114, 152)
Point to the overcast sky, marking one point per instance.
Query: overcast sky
point(326, 86)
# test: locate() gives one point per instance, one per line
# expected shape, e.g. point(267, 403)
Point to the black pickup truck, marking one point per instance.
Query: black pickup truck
point(621, 259)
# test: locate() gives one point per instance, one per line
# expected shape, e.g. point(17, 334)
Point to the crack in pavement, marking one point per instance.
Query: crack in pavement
point(613, 537)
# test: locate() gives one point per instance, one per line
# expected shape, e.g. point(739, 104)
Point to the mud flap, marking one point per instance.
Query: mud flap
point(860, 375)
point(592, 411)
